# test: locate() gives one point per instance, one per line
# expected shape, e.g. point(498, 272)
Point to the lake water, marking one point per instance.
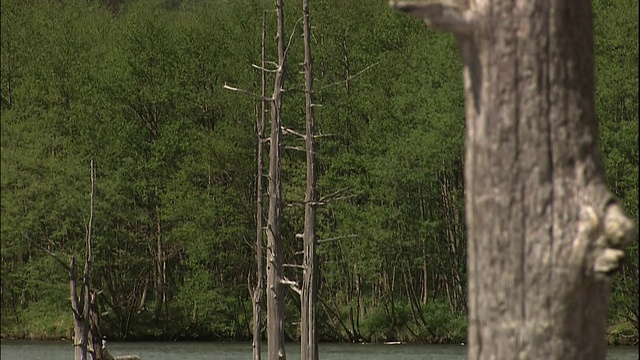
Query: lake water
point(49, 350)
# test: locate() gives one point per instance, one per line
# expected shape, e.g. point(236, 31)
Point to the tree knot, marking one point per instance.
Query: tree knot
point(614, 233)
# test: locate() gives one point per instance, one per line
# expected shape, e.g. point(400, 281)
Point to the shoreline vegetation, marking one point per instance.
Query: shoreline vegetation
point(617, 335)
point(621, 333)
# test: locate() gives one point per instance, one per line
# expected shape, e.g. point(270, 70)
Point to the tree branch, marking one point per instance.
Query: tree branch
point(323, 135)
point(292, 284)
point(296, 266)
point(291, 37)
point(347, 79)
point(444, 15)
point(297, 148)
point(337, 238)
point(247, 92)
point(333, 194)
point(286, 131)
point(320, 203)
point(55, 256)
point(264, 69)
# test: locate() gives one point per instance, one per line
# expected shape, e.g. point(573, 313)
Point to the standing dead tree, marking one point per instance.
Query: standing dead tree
point(257, 291)
point(544, 233)
point(275, 277)
point(81, 303)
point(309, 293)
point(275, 290)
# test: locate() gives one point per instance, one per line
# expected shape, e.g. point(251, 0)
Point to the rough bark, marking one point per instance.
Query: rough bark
point(308, 335)
point(275, 290)
point(257, 292)
point(544, 234)
point(80, 304)
point(80, 320)
point(97, 350)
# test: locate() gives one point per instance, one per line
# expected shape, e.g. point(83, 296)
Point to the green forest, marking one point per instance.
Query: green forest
point(138, 87)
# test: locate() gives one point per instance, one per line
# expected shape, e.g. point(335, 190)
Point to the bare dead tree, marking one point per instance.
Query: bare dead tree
point(274, 265)
point(97, 350)
point(81, 303)
point(544, 233)
point(309, 293)
point(260, 123)
point(275, 290)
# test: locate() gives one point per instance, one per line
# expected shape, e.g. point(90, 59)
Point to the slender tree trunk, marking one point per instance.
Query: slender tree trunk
point(80, 305)
point(257, 293)
point(544, 234)
point(159, 271)
point(275, 290)
point(80, 320)
point(308, 336)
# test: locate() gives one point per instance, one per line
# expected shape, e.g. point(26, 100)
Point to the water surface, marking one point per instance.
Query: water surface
point(50, 350)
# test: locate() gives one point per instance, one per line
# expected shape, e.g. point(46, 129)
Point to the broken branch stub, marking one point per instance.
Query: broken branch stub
point(453, 16)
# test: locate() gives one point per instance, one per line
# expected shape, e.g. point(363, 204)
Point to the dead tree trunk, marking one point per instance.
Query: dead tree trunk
point(80, 305)
point(160, 269)
point(97, 350)
point(275, 290)
point(544, 234)
point(308, 336)
point(257, 292)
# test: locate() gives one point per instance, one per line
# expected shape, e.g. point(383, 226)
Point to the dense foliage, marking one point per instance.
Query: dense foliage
point(138, 86)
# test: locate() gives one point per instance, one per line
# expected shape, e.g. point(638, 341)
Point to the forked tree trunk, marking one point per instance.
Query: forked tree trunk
point(275, 290)
point(80, 317)
point(308, 336)
point(544, 234)
point(257, 292)
point(81, 304)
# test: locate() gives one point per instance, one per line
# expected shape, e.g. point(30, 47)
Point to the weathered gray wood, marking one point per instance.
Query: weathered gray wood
point(275, 290)
point(309, 294)
point(108, 356)
point(544, 234)
point(257, 292)
point(95, 336)
point(80, 304)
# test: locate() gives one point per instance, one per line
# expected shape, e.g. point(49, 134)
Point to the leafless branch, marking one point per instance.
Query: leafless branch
point(244, 238)
point(55, 256)
point(350, 77)
point(294, 266)
point(291, 37)
point(325, 202)
point(337, 238)
point(247, 92)
point(333, 194)
point(294, 203)
point(297, 148)
point(286, 131)
point(264, 69)
point(444, 15)
point(323, 135)
point(292, 284)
